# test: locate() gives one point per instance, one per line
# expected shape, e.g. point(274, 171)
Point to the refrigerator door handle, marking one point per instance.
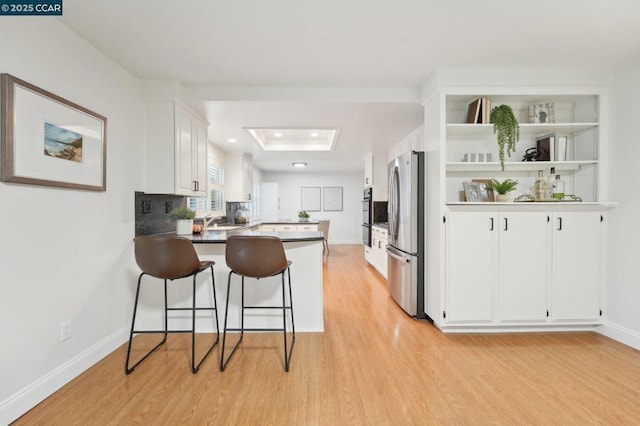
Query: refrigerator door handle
point(394, 190)
point(395, 256)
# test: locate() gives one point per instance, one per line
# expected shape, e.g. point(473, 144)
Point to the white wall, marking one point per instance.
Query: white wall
point(66, 255)
point(345, 225)
point(623, 291)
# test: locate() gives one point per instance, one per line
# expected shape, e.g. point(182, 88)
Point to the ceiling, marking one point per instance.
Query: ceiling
point(356, 65)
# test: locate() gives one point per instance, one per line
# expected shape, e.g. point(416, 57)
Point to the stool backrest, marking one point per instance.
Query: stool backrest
point(255, 256)
point(323, 226)
point(166, 256)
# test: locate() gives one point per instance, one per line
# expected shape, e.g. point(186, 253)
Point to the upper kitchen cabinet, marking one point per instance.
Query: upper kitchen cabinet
point(175, 150)
point(368, 170)
point(239, 176)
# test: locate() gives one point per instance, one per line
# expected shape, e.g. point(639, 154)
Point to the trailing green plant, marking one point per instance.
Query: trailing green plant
point(182, 213)
point(507, 130)
point(502, 187)
point(303, 214)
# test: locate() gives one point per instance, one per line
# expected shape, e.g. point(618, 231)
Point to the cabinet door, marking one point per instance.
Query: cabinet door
point(184, 153)
point(307, 228)
point(368, 170)
point(200, 159)
point(576, 266)
point(471, 265)
point(286, 228)
point(247, 177)
point(524, 263)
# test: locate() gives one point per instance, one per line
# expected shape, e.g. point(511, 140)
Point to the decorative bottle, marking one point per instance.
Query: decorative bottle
point(540, 188)
point(558, 188)
point(551, 181)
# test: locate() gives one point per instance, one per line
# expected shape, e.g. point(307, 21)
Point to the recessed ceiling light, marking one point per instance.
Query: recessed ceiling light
point(232, 140)
point(299, 164)
point(294, 138)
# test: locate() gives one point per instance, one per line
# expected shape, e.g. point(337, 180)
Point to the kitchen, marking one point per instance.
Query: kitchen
point(97, 296)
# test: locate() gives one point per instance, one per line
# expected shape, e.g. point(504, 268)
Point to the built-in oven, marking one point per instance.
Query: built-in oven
point(367, 216)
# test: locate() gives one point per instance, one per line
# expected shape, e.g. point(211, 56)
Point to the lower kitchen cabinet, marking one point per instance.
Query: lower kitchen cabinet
point(522, 268)
point(376, 255)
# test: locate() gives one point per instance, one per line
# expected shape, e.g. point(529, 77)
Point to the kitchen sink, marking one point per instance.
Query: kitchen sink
point(222, 227)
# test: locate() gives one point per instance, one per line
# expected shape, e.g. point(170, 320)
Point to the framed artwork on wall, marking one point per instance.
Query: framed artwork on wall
point(310, 198)
point(48, 140)
point(332, 198)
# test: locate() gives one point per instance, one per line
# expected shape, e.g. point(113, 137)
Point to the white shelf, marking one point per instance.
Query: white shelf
point(517, 166)
point(464, 129)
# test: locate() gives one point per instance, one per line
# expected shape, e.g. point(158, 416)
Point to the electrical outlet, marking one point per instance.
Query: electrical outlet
point(65, 331)
point(168, 206)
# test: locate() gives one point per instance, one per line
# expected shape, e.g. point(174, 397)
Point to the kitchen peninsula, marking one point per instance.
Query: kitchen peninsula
point(303, 249)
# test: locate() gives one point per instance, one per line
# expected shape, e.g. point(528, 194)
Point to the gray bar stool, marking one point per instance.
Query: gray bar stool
point(257, 257)
point(170, 258)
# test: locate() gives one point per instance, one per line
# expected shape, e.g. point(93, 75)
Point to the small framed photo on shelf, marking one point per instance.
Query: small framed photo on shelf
point(472, 192)
point(486, 193)
point(542, 113)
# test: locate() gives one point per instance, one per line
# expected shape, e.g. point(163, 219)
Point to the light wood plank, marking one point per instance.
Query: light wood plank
point(373, 365)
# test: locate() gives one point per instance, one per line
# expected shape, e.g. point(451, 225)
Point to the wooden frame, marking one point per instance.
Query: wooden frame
point(48, 140)
point(485, 193)
point(332, 198)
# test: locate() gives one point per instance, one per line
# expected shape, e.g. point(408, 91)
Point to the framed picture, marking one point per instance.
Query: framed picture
point(332, 198)
point(310, 198)
point(48, 140)
point(472, 192)
point(486, 194)
point(542, 113)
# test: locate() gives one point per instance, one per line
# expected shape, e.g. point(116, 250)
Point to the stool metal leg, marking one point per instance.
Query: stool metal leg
point(194, 367)
point(287, 354)
point(128, 369)
point(223, 362)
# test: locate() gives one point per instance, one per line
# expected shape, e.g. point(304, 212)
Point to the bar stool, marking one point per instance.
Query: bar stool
point(257, 257)
point(170, 258)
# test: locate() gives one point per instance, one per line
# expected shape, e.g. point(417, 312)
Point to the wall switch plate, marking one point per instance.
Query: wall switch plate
point(146, 206)
point(65, 331)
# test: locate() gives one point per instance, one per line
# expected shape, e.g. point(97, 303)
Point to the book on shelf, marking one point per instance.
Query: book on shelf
point(473, 111)
point(546, 147)
point(479, 111)
point(561, 148)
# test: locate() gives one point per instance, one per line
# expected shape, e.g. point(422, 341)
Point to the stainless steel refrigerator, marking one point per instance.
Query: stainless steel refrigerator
point(405, 249)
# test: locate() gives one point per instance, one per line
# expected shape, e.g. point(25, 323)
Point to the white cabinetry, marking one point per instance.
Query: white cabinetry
point(376, 255)
point(312, 227)
point(368, 170)
point(239, 176)
point(522, 268)
point(175, 150)
point(577, 240)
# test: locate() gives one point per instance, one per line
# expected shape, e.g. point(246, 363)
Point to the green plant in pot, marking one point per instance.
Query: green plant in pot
point(507, 130)
point(184, 220)
point(303, 216)
point(502, 188)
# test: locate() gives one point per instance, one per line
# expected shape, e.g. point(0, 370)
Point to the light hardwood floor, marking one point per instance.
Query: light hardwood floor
point(373, 366)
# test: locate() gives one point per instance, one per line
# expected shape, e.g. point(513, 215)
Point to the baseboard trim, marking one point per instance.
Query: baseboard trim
point(620, 334)
point(30, 396)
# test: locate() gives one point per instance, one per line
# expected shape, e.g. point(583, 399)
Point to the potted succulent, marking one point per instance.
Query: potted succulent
point(303, 216)
point(184, 220)
point(507, 130)
point(502, 188)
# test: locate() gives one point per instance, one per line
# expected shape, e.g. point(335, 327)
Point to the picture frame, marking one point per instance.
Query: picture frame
point(542, 113)
point(486, 193)
point(332, 198)
point(48, 140)
point(310, 198)
point(472, 192)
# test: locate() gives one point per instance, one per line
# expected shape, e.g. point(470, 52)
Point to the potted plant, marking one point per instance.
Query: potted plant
point(502, 188)
point(184, 220)
point(507, 130)
point(303, 216)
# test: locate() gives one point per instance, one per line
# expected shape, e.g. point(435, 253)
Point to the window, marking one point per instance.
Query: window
point(213, 204)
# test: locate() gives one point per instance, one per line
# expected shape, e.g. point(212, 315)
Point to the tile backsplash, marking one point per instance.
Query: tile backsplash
point(152, 212)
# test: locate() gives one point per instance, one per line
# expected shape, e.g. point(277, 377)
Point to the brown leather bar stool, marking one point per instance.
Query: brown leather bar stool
point(258, 257)
point(170, 258)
